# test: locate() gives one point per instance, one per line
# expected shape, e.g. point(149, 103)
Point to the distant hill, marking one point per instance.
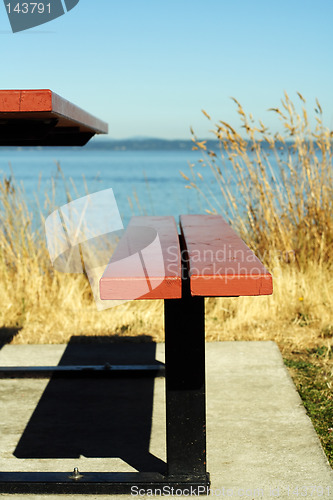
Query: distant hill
point(145, 144)
point(154, 144)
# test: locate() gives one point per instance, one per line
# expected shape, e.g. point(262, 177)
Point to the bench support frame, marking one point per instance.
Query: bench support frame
point(101, 483)
point(185, 416)
point(185, 385)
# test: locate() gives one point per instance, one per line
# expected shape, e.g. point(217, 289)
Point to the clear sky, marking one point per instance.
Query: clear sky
point(148, 67)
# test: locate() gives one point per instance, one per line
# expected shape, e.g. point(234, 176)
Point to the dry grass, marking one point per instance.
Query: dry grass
point(283, 204)
point(292, 316)
point(50, 307)
point(277, 192)
point(288, 223)
point(42, 304)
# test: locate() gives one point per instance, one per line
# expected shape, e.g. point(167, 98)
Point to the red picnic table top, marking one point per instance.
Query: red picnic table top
point(43, 118)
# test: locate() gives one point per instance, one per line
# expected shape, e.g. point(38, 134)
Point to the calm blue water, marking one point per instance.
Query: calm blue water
point(151, 177)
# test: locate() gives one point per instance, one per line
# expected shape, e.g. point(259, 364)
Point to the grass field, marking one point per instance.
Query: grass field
point(288, 222)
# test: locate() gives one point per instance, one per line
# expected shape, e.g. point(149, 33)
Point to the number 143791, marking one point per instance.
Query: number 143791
point(29, 8)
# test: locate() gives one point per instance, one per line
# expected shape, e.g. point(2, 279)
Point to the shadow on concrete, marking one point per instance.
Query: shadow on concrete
point(7, 334)
point(104, 417)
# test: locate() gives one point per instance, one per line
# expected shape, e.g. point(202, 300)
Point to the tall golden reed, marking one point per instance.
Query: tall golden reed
point(285, 211)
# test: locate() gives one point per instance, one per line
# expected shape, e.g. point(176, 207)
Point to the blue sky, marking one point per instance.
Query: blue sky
point(148, 67)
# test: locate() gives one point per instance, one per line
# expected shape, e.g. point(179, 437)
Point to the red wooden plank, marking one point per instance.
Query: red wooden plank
point(220, 264)
point(38, 107)
point(146, 263)
point(14, 101)
point(44, 100)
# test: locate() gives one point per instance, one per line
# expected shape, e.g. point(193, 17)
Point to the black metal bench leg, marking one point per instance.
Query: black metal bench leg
point(186, 421)
point(185, 386)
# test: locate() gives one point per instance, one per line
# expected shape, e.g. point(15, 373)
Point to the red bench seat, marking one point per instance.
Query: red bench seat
point(147, 262)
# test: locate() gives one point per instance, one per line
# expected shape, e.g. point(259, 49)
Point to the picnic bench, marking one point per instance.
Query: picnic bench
point(207, 259)
point(151, 261)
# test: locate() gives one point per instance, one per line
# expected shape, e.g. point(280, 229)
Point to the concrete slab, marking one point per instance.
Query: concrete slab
point(260, 442)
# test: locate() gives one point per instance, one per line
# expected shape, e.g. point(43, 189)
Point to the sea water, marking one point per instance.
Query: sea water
point(143, 182)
